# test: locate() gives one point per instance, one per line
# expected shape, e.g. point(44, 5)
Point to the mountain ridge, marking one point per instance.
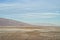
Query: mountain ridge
point(10, 22)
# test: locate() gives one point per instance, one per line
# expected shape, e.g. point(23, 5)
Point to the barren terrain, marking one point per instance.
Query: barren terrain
point(29, 34)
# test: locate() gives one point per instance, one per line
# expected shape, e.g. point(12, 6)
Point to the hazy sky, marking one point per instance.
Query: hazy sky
point(31, 11)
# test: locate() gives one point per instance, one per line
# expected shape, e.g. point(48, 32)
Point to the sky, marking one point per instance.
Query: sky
point(46, 12)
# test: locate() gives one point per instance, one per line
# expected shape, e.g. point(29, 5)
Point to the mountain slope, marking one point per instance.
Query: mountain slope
point(9, 22)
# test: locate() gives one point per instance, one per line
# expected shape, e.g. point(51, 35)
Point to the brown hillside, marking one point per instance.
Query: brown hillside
point(9, 22)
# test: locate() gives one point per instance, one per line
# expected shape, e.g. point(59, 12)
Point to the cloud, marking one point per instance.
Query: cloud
point(40, 15)
point(31, 15)
point(29, 4)
point(30, 8)
point(26, 9)
point(35, 15)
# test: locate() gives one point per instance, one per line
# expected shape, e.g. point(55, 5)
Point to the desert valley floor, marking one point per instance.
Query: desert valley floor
point(29, 34)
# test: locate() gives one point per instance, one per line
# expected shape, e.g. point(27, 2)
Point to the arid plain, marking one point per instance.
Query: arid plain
point(29, 33)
